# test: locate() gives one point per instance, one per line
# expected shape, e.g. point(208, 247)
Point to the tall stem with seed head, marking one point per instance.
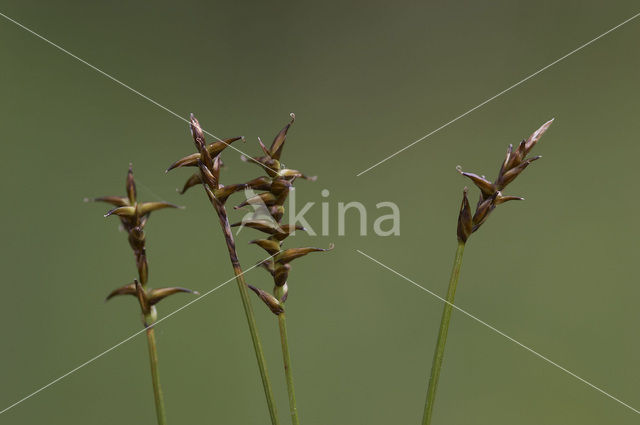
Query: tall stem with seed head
point(438, 355)
point(133, 217)
point(284, 341)
point(208, 161)
point(276, 186)
point(157, 390)
point(248, 310)
point(469, 222)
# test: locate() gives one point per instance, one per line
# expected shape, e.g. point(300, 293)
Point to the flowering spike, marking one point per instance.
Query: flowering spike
point(276, 185)
point(133, 217)
point(514, 163)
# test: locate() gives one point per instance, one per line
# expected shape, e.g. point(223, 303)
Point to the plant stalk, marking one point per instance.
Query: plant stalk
point(286, 357)
point(438, 356)
point(248, 310)
point(157, 391)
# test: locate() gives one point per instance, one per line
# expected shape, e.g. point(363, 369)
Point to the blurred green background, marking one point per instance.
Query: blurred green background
point(557, 272)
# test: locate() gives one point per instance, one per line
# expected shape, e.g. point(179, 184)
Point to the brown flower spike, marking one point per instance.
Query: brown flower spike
point(133, 217)
point(491, 192)
point(276, 186)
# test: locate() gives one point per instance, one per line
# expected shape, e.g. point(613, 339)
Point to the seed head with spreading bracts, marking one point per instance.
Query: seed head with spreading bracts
point(208, 161)
point(133, 217)
point(276, 186)
point(491, 192)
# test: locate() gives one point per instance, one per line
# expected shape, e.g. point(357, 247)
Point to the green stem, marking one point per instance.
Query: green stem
point(157, 391)
point(284, 341)
point(248, 310)
point(438, 356)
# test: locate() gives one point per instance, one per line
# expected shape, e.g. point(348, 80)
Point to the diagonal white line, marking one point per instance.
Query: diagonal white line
point(115, 80)
point(499, 332)
point(91, 360)
point(499, 94)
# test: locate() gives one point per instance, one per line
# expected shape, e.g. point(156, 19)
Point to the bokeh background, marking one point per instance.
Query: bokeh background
point(557, 272)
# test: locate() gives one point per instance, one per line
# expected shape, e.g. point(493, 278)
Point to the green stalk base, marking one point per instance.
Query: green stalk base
point(438, 356)
point(157, 391)
point(284, 340)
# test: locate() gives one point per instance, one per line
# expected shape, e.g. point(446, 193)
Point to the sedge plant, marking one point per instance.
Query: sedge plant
point(469, 222)
point(267, 218)
point(208, 162)
point(133, 217)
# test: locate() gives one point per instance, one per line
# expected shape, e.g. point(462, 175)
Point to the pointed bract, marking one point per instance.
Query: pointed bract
point(154, 296)
point(122, 212)
point(194, 180)
point(292, 253)
point(271, 246)
point(148, 207)
point(278, 142)
point(533, 139)
point(465, 224)
point(129, 289)
point(486, 187)
point(117, 201)
point(271, 301)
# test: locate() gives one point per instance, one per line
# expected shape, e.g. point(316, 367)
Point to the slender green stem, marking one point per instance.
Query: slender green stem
point(438, 356)
point(284, 340)
point(157, 391)
point(248, 310)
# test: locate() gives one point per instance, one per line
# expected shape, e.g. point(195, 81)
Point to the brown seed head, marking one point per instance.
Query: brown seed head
point(491, 192)
point(133, 217)
point(209, 163)
point(276, 186)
